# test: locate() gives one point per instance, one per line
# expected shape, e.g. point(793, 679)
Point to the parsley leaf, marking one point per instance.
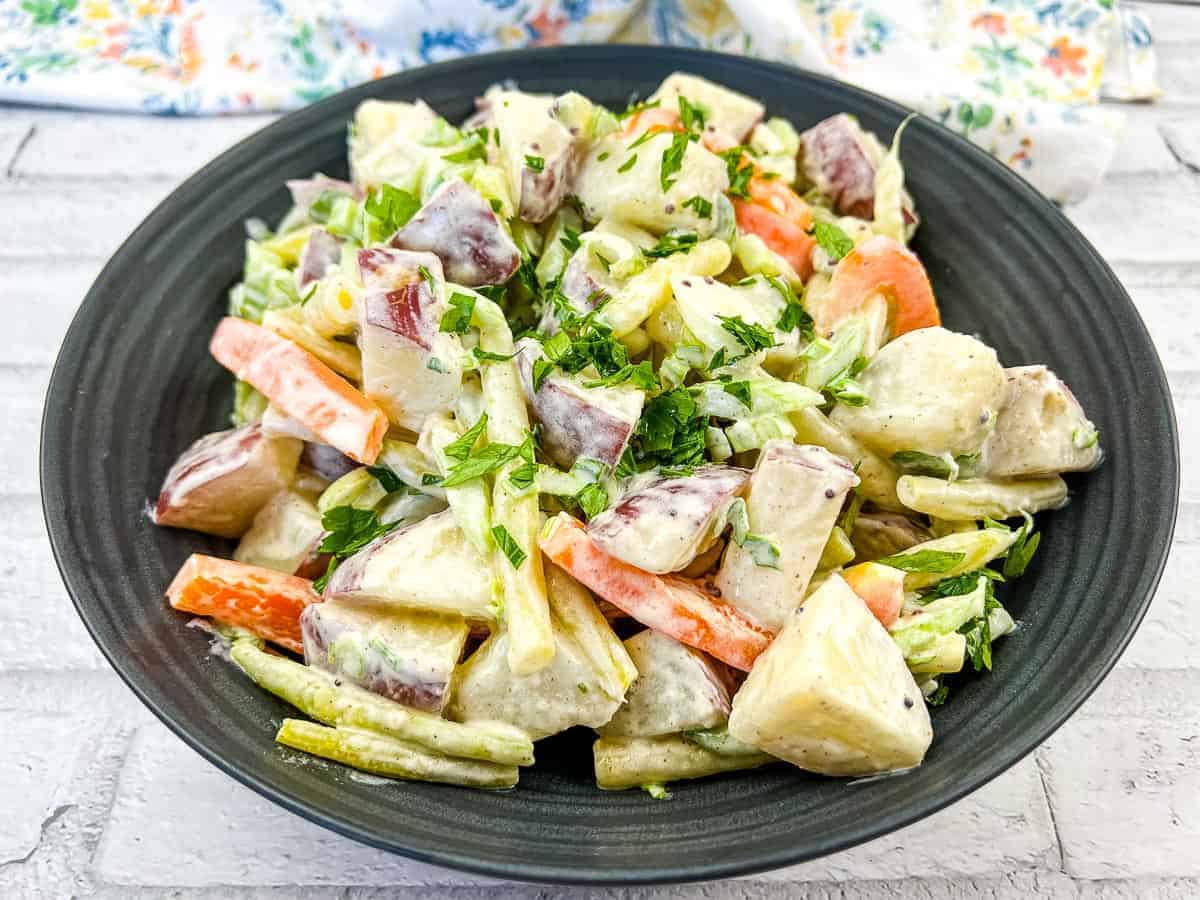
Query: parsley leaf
point(932, 561)
point(739, 175)
point(570, 239)
point(938, 697)
point(668, 244)
point(835, 242)
point(645, 136)
point(959, 584)
point(387, 479)
point(508, 544)
point(428, 276)
point(461, 447)
point(474, 149)
point(672, 160)
point(844, 389)
point(717, 361)
point(603, 156)
point(670, 432)
point(691, 115)
point(794, 314)
point(524, 475)
point(642, 375)
point(702, 207)
point(1021, 552)
point(593, 499)
point(914, 462)
point(478, 464)
point(457, 319)
point(636, 107)
point(751, 336)
point(392, 207)
point(487, 356)
point(740, 390)
point(536, 163)
point(628, 164)
point(348, 530)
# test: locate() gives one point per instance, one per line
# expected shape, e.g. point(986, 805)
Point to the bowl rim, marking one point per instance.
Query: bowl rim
point(747, 861)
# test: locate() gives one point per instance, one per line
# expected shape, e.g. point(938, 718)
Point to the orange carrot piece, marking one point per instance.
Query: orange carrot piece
point(778, 197)
point(881, 588)
point(880, 265)
point(303, 387)
point(670, 604)
point(785, 237)
point(260, 600)
point(656, 118)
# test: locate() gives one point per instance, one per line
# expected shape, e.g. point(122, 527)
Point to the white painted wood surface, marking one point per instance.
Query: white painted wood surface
point(98, 799)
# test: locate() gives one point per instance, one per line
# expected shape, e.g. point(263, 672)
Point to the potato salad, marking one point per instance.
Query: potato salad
point(642, 421)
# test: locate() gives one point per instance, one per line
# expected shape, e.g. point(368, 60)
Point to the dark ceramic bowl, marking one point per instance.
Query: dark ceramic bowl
point(134, 385)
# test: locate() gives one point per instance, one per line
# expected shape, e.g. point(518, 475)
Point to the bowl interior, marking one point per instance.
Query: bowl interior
point(134, 385)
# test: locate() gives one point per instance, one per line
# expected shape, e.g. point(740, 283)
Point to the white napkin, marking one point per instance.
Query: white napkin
point(1021, 78)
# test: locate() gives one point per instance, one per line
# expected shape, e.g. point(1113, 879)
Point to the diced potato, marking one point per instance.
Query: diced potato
point(930, 390)
point(976, 498)
point(636, 195)
point(841, 160)
point(459, 226)
point(403, 655)
point(410, 367)
point(877, 475)
point(649, 291)
point(536, 151)
point(725, 111)
point(832, 694)
point(579, 686)
point(1041, 428)
point(796, 493)
point(220, 483)
point(284, 536)
point(429, 566)
point(663, 525)
point(677, 689)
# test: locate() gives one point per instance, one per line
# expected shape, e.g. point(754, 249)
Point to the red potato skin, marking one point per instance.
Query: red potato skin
point(675, 606)
point(222, 480)
point(263, 601)
point(835, 156)
point(301, 386)
point(458, 225)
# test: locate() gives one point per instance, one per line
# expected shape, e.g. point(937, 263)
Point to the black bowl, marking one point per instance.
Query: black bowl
point(134, 384)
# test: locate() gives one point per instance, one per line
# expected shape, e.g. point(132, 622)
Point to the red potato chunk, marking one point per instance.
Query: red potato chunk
point(305, 191)
point(220, 483)
point(579, 422)
point(841, 159)
point(321, 253)
point(458, 225)
point(410, 368)
point(404, 656)
point(664, 525)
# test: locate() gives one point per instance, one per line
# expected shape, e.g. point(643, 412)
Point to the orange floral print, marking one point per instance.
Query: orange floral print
point(1062, 58)
point(992, 23)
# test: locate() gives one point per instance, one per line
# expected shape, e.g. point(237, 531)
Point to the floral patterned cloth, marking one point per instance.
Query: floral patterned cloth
point(1022, 78)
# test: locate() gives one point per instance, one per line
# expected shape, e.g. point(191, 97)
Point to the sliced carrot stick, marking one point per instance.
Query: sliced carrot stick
point(881, 588)
point(780, 234)
point(303, 387)
point(675, 606)
point(880, 265)
point(260, 600)
point(656, 118)
point(778, 197)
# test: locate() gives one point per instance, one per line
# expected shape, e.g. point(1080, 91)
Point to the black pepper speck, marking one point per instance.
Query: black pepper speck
point(686, 283)
point(669, 208)
point(908, 703)
point(830, 493)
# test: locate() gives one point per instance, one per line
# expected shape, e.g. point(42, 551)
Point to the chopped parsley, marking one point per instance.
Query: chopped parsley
point(487, 356)
point(348, 530)
point(628, 164)
point(427, 276)
point(483, 462)
point(835, 242)
point(524, 475)
point(751, 336)
point(603, 156)
point(391, 206)
point(509, 546)
point(535, 163)
point(387, 479)
point(642, 375)
point(702, 207)
point(475, 149)
point(670, 243)
point(739, 175)
point(740, 390)
point(570, 239)
point(931, 561)
point(592, 499)
point(672, 160)
point(794, 315)
point(457, 319)
point(461, 447)
point(636, 107)
point(1021, 552)
point(690, 115)
point(670, 432)
point(645, 136)
point(844, 389)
